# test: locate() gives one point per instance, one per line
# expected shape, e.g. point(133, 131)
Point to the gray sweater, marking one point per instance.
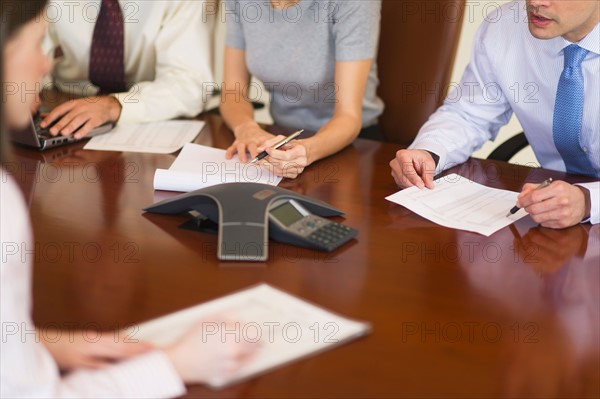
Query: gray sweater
point(294, 52)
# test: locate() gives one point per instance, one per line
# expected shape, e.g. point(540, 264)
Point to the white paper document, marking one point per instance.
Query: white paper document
point(462, 204)
point(287, 328)
point(157, 137)
point(199, 166)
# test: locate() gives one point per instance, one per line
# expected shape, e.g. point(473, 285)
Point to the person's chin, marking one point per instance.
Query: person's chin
point(542, 33)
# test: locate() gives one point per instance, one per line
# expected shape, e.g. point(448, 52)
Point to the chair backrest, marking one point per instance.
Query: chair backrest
point(418, 43)
point(508, 149)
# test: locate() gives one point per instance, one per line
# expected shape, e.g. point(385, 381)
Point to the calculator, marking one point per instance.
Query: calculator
point(291, 223)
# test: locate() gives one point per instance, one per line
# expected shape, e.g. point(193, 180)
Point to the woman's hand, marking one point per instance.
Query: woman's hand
point(206, 354)
point(288, 161)
point(248, 139)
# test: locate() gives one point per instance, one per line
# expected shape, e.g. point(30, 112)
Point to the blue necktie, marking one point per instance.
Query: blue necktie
point(568, 113)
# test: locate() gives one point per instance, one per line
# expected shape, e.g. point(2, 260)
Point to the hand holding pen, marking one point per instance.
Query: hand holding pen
point(286, 157)
point(557, 205)
point(516, 209)
point(277, 146)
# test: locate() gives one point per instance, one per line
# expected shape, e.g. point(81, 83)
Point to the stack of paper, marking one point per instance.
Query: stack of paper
point(286, 327)
point(460, 203)
point(157, 137)
point(198, 166)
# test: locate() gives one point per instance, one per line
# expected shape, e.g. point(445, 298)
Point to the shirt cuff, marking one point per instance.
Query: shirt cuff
point(436, 157)
point(132, 108)
point(151, 375)
point(433, 148)
point(594, 189)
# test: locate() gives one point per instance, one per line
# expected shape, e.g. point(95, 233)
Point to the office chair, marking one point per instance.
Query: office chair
point(505, 151)
point(417, 47)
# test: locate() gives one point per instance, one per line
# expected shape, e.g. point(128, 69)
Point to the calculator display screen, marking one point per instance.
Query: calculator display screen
point(287, 214)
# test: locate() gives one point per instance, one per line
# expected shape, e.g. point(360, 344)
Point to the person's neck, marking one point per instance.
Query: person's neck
point(578, 35)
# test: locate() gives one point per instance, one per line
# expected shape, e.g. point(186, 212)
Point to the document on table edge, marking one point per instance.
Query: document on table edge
point(185, 174)
point(201, 311)
point(404, 198)
point(113, 140)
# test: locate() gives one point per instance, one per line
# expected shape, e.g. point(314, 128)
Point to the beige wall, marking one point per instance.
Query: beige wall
point(474, 15)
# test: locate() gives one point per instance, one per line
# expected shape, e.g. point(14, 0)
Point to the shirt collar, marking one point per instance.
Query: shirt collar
point(591, 42)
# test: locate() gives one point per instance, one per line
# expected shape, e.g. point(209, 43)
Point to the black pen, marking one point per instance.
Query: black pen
point(278, 145)
point(515, 208)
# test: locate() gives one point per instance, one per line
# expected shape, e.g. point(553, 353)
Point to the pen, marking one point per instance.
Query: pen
point(515, 208)
point(278, 145)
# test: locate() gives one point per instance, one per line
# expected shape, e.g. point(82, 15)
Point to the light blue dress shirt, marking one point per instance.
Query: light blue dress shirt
point(512, 71)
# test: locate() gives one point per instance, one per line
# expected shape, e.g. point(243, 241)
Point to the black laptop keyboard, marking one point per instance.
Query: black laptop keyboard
point(41, 132)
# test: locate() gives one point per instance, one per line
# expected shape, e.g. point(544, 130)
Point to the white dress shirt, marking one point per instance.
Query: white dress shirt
point(27, 369)
point(168, 54)
point(512, 71)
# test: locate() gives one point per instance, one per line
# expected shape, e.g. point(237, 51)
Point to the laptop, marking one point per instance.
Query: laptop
point(36, 136)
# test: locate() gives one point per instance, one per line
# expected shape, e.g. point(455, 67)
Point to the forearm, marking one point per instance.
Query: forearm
point(451, 136)
point(338, 133)
point(149, 375)
point(468, 118)
point(162, 99)
point(238, 114)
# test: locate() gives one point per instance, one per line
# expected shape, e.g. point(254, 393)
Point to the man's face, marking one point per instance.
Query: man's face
point(571, 19)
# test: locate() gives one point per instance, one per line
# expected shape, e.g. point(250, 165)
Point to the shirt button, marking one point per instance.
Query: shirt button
point(584, 149)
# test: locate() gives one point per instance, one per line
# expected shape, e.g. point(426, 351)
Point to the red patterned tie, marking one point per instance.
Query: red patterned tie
point(107, 61)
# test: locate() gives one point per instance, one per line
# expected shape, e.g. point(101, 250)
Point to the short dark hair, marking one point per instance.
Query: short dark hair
point(14, 14)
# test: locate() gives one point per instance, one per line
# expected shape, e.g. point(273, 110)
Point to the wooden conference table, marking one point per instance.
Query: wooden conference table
point(454, 314)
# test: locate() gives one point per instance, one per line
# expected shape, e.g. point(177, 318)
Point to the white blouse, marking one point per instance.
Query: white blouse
point(27, 369)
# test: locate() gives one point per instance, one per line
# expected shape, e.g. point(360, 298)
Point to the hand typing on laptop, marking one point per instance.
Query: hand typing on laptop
point(84, 114)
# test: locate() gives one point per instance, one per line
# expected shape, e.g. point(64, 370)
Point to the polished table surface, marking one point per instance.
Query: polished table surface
point(454, 314)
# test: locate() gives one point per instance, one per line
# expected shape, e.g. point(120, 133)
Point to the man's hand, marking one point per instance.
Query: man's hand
point(413, 168)
point(557, 206)
point(86, 113)
point(89, 349)
point(248, 139)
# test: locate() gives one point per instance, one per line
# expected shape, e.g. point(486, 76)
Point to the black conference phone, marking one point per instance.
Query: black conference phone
point(247, 214)
point(291, 223)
